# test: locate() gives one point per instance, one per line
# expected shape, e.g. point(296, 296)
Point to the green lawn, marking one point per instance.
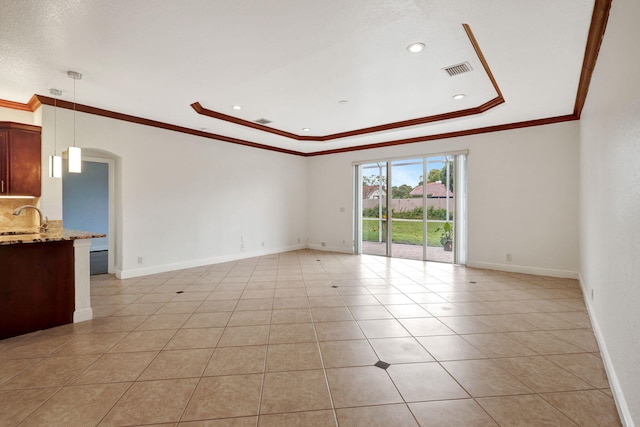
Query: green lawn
point(405, 232)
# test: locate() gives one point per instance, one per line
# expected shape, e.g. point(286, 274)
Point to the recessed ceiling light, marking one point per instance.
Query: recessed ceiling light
point(344, 101)
point(459, 96)
point(415, 47)
point(236, 107)
point(306, 129)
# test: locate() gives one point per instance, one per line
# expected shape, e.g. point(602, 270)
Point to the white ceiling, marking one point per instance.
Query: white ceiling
point(292, 61)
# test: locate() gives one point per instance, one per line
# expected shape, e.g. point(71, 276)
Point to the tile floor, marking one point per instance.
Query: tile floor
point(292, 340)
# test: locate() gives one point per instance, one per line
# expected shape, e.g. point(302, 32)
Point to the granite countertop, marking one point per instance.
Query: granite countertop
point(50, 236)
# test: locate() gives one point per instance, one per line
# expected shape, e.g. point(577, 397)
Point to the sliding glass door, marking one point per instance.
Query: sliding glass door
point(413, 208)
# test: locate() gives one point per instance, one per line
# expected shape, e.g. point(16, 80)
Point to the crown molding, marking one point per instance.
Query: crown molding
point(379, 128)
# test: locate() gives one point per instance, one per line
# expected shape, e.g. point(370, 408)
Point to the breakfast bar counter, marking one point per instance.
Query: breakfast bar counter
point(44, 280)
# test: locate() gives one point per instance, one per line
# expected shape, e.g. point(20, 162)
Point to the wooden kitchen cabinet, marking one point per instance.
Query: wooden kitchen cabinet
point(20, 159)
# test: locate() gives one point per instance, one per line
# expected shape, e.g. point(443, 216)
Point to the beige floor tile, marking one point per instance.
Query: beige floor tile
point(541, 375)
point(544, 342)
point(359, 299)
point(294, 391)
point(450, 347)
point(427, 298)
point(467, 324)
point(255, 304)
point(586, 366)
point(498, 345)
point(400, 350)
point(293, 357)
point(224, 422)
point(524, 410)
point(361, 386)
point(451, 413)
point(290, 293)
point(586, 408)
point(484, 378)
point(291, 315)
point(331, 314)
point(425, 327)
point(292, 333)
point(237, 360)
point(179, 307)
point(195, 338)
point(386, 328)
point(338, 354)
point(77, 405)
point(225, 396)
point(139, 309)
point(17, 404)
point(150, 402)
point(376, 416)
point(326, 301)
point(217, 319)
point(53, 371)
point(583, 338)
point(257, 294)
point(11, 367)
point(244, 335)
point(545, 321)
point(299, 419)
point(90, 344)
point(425, 381)
point(143, 341)
point(295, 302)
point(506, 323)
point(407, 311)
point(370, 312)
point(213, 306)
point(163, 321)
point(333, 331)
point(388, 299)
point(250, 318)
point(171, 364)
point(116, 367)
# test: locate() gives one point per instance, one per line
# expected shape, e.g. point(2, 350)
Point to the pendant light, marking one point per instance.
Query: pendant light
point(75, 153)
point(55, 161)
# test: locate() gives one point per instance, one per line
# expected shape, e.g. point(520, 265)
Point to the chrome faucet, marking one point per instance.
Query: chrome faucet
point(44, 223)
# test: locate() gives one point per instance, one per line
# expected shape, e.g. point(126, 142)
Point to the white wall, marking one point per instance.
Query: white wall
point(522, 197)
point(610, 204)
point(183, 200)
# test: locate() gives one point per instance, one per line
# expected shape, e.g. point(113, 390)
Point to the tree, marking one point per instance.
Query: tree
point(435, 175)
point(401, 192)
point(443, 173)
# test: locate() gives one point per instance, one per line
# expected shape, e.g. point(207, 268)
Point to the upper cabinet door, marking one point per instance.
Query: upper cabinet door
point(20, 160)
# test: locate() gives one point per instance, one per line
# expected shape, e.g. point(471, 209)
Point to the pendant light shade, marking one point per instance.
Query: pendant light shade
point(75, 153)
point(55, 161)
point(75, 160)
point(55, 166)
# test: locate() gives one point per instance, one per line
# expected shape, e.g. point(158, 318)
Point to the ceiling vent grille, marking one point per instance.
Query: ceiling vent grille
point(263, 121)
point(454, 70)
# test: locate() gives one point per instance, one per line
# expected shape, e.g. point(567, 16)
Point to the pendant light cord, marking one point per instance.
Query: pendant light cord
point(55, 126)
point(74, 112)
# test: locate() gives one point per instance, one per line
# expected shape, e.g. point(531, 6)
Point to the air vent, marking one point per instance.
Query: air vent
point(263, 121)
point(454, 70)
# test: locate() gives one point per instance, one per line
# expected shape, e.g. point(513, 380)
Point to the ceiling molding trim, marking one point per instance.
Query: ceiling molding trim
point(379, 128)
point(597, 29)
point(15, 105)
point(468, 132)
point(153, 123)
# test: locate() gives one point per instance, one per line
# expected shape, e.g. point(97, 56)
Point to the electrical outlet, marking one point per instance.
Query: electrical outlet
point(139, 260)
point(263, 244)
point(323, 244)
point(298, 240)
point(508, 257)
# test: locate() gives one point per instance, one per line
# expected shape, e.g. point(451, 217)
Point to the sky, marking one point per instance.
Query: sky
point(403, 173)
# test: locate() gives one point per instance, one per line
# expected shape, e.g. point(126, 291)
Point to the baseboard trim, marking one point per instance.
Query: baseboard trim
point(82, 315)
point(146, 271)
point(512, 268)
point(618, 395)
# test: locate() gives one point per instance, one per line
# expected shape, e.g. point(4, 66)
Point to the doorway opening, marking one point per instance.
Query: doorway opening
point(413, 208)
point(88, 205)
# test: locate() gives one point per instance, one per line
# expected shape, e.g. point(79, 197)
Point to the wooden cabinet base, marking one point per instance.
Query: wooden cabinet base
point(36, 287)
